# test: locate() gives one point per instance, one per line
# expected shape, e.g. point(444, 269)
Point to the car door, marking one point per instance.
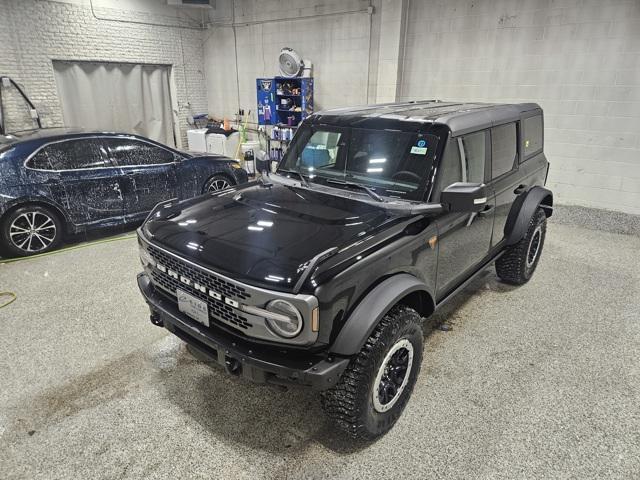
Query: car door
point(149, 173)
point(463, 238)
point(505, 179)
point(89, 182)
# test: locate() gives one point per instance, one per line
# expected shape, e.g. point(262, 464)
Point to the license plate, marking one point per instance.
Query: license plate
point(192, 306)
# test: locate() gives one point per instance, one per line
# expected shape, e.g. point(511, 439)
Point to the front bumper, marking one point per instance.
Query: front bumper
point(239, 357)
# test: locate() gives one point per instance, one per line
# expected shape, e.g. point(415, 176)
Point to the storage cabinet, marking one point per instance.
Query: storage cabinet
point(284, 101)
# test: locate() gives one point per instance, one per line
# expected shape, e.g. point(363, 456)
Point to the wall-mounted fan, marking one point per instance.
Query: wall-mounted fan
point(292, 64)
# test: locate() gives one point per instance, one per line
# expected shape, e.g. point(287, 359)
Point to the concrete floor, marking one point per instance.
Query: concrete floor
point(541, 381)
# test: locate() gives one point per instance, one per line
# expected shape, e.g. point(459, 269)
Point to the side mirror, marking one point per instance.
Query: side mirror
point(464, 197)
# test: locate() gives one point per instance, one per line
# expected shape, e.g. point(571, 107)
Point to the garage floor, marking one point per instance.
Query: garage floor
point(540, 381)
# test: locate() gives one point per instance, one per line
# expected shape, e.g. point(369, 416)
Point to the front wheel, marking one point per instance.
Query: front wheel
point(517, 264)
point(376, 386)
point(30, 230)
point(218, 182)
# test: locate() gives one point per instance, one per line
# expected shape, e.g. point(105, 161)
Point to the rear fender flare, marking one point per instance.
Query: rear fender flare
point(523, 209)
point(38, 200)
point(368, 313)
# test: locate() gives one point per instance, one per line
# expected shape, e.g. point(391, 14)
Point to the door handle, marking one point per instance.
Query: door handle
point(487, 210)
point(116, 188)
point(520, 189)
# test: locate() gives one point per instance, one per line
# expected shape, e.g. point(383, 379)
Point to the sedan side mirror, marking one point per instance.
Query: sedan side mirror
point(464, 197)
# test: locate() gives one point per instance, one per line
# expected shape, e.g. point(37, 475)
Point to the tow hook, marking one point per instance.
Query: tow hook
point(156, 320)
point(232, 366)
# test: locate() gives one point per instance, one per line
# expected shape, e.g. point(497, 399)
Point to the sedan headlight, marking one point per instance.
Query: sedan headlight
point(145, 258)
point(286, 320)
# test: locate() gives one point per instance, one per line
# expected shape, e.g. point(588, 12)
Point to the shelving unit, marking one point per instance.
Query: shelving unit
point(284, 101)
point(294, 100)
point(279, 144)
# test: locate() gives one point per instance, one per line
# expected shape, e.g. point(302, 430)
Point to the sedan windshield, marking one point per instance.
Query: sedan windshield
point(392, 163)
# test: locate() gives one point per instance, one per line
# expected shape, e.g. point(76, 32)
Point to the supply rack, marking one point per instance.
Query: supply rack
point(284, 101)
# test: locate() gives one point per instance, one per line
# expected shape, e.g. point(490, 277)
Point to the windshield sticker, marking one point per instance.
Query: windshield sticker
point(419, 150)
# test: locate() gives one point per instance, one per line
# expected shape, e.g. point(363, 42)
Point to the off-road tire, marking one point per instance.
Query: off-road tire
point(350, 403)
point(211, 185)
point(515, 266)
point(10, 249)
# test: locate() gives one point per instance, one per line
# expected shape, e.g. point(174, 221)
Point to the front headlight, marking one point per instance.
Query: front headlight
point(236, 165)
point(287, 321)
point(145, 258)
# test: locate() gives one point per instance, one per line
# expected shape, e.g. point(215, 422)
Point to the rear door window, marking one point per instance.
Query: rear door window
point(503, 149)
point(74, 154)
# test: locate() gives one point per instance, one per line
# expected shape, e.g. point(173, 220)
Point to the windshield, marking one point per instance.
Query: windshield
point(392, 163)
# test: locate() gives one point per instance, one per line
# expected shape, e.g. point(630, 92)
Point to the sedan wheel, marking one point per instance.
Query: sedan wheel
point(31, 230)
point(217, 183)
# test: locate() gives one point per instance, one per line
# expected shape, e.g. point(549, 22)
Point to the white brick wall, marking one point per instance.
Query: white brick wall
point(33, 33)
point(579, 59)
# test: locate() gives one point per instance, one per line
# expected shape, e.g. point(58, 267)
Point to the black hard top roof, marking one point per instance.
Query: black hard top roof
point(459, 117)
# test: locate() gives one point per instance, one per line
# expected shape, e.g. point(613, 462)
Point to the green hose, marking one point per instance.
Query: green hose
point(12, 298)
point(74, 247)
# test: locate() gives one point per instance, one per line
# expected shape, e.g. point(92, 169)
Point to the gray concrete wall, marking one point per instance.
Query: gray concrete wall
point(336, 37)
point(579, 59)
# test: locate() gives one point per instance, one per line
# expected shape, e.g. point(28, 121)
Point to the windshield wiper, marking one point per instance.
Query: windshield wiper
point(302, 179)
point(364, 188)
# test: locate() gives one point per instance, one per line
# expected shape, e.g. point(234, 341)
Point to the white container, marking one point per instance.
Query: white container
point(196, 140)
point(221, 144)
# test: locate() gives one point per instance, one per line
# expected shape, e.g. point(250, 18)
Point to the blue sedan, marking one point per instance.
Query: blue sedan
point(55, 182)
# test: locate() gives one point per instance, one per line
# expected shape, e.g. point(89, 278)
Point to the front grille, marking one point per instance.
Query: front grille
point(218, 310)
point(227, 289)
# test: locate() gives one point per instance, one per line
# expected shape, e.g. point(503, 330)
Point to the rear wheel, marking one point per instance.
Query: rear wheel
point(517, 264)
point(376, 386)
point(30, 230)
point(218, 182)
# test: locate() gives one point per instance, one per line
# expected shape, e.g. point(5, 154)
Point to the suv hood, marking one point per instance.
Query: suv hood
point(264, 235)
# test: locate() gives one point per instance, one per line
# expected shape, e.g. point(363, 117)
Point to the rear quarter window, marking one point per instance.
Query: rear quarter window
point(532, 131)
point(40, 161)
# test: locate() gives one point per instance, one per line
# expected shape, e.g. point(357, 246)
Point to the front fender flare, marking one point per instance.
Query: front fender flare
point(370, 311)
point(523, 209)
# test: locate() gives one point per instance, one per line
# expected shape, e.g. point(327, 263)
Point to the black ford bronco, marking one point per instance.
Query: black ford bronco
point(321, 274)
